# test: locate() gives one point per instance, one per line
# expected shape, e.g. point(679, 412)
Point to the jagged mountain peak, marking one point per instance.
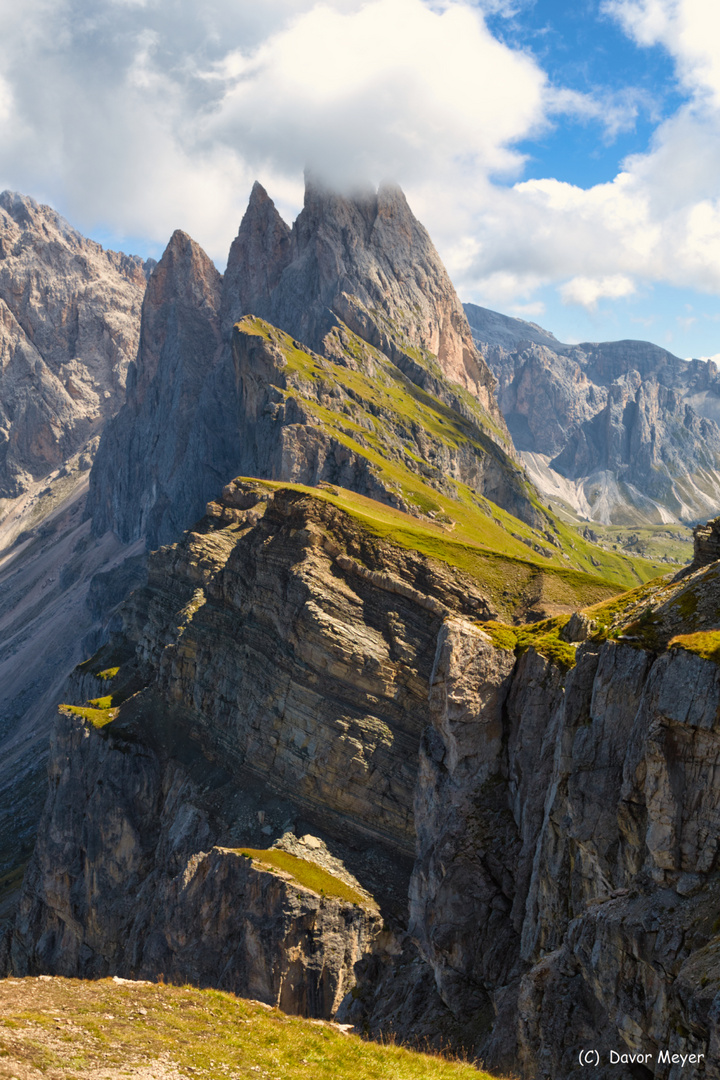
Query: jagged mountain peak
point(257, 258)
point(362, 259)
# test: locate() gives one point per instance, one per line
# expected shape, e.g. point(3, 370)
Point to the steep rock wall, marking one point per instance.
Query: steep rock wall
point(573, 883)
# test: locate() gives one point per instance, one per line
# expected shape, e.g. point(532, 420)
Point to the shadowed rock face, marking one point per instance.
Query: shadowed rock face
point(166, 449)
point(630, 427)
point(69, 325)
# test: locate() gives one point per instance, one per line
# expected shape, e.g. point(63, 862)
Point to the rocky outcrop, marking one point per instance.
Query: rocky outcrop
point(156, 897)
point(706, 543)
point(287, 672)
point(566, 899)
point(69, 325)
point(624, 432)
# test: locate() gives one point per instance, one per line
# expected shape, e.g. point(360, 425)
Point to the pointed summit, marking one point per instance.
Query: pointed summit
point(362, 259)
point(156, 464)
point(257, 258)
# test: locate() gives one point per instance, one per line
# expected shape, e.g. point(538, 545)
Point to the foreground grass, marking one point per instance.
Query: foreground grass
point(67, 1028)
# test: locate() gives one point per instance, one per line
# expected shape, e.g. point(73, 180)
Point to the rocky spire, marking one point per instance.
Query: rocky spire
point(361, 258)
point(162, 456)
point(258, 255)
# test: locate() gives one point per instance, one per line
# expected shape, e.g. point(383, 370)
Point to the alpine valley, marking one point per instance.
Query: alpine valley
point(339, 642)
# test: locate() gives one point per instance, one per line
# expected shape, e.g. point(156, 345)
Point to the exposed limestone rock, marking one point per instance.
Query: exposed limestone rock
point(69, 325)
point(358, 282)
point(155, 896)
point(363, 259)
point(624, 431)
point(275, 674)
point(706, 542)
point(579, 628)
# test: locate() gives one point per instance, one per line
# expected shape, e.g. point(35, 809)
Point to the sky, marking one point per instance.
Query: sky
point(564, 156)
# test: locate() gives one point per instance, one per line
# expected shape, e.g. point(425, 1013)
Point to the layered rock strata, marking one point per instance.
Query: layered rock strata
point(285, 671)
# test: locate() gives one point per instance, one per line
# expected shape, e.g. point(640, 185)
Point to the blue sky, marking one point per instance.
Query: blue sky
point(564, 156)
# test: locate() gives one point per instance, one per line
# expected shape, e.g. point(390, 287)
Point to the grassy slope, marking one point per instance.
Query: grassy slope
point(378, 414)
point(477, 548)
point(78, 1029)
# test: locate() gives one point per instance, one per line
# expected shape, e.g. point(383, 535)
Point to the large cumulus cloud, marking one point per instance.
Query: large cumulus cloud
point(140, 116)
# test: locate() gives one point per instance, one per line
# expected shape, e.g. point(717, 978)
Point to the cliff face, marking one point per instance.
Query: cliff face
point(170, 435)
point(623, 431)
point(357, 283)
point(289, 672)
point(69, 324)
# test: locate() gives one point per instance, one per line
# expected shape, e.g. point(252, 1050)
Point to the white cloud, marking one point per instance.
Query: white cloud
point(141, 117)
point(688, 29)
point(141, 120)
point(587, 291)
point(393, 88)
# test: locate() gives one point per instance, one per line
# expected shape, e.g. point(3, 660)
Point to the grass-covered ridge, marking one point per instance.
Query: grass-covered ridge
point(703, 643)
point(73, 1029)
point(515, 580)
point(306, 873)
point(408, 436)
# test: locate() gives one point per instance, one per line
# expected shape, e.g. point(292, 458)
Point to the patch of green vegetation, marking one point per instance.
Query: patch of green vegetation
point(543, 636)
point(643, 630)
point(501, 635)
point(306, 873)
point(608, 615)
point(686, 603)
point(102, 702)
point(108, 673)
point(113, 1029)
point(705, 643)
point(98, 717)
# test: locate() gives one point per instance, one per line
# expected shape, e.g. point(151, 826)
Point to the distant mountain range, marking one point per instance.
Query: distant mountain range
point(622, 432)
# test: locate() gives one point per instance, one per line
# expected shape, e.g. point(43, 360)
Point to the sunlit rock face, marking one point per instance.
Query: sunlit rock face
point(623, 431)
point(69, 328)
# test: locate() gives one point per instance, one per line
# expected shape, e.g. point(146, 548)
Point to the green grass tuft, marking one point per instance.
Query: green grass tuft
point(306, 873)
point(542, 636)
point(98, 717)
point(705, 643)
point(108, 673)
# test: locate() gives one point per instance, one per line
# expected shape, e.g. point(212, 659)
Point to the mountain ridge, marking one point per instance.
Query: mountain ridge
point(623, 432)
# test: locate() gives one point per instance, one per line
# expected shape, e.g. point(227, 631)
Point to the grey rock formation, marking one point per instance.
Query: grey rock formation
point(163, 899)
point(166, 449)
point(353, 275)
point(363, 260)
point(69, 325)
point(572, 883)
point(624, 432)
point(286, 669)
